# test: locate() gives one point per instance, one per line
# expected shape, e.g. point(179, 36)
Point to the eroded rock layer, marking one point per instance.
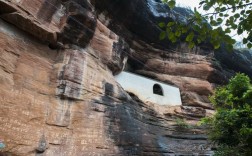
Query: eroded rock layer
point(58, 95)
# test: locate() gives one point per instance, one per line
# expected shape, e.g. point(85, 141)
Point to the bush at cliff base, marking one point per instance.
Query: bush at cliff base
point(231, 127)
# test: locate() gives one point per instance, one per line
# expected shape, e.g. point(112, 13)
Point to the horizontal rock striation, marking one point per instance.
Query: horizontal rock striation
point(66, 102)
point(58, 94)
point(52, 21)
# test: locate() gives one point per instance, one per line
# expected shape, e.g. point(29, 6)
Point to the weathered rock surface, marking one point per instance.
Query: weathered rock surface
point(58, 95)
point(52, 21)
point(238, 61)
point(138, 20)
point(66, 102)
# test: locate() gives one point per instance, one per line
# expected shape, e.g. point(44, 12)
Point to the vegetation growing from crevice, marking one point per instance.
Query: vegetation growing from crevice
point(181, 123)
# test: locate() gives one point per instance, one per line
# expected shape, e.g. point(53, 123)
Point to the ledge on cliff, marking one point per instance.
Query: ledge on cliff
point(138, 20)
point(67, 100)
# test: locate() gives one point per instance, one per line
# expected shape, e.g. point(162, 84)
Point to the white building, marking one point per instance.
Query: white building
point(149, 90)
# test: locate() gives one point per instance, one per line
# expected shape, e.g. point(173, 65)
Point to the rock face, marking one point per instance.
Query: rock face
point(58, 95)
point(139, 19)
point(238, 61)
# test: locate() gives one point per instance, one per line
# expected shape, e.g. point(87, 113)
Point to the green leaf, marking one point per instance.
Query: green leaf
point(197, 14)
point(171, 4)
point(168, 30)
point(244, 41)
point(213, 23)
point(239, 31)
point(162, 35)
point(170, 24)
point(196, 28)
point(206, 7)
point(190, 37)
point(227, 30)
point(249, 45)
point(171, 36)
point(233, 26)
point(202, 2)
point(184, 30)
point(191, 45)
point(237, 15)
point(223, 9)
point(214, 34)
point(232, 41)
point(178, 33)
point(199, 40)
point(161, 25)
point(219, 19)
point(216, 45)
point(174, 40)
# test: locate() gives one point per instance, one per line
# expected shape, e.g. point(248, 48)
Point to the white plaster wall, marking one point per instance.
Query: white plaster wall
point(143, 88)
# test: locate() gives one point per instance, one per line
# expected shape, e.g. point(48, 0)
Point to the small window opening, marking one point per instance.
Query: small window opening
point(157, 89)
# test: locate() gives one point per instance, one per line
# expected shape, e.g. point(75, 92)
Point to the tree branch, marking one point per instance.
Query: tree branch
point(214, 13)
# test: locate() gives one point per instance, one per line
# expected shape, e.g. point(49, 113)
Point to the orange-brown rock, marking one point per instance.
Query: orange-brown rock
point(193, 71)
point(199, 86)
point(48, 97)
point(112, 49)
point(66, 102)
point(63, 100)
point(52, 21)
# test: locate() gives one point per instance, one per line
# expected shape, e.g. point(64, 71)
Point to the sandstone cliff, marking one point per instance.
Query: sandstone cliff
point(58, 95)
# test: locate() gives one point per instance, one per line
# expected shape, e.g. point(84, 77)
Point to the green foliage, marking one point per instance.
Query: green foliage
point(234, 14)
point(171, 3)
point(181, 123)
point(231, 126)
point(227, 151)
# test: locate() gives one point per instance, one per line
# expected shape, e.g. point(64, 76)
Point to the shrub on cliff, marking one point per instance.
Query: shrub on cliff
point(231, 126)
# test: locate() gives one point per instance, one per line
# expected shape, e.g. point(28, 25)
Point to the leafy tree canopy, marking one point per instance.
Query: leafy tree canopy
point(234, 14)
point(231, 126)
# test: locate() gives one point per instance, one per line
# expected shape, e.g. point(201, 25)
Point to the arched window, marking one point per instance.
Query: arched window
point(157, 89)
